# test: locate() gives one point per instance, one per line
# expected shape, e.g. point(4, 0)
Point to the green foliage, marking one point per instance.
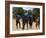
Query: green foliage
point(36, 11)
point(21, 11)
point(18, 9)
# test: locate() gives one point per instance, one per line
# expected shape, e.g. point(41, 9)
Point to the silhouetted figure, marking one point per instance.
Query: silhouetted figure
point(25, 20)
point(30, 18)
point(38, 21)
point(17, 20)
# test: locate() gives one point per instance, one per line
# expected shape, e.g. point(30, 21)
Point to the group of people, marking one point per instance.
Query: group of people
point(27, 18)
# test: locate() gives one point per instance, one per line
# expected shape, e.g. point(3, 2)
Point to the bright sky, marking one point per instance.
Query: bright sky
point(27, 8)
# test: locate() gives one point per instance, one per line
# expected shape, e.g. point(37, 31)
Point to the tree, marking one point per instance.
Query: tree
point(18, 10)
point(36, 12)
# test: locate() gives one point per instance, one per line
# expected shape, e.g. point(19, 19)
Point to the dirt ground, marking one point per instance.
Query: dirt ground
point(14, 25)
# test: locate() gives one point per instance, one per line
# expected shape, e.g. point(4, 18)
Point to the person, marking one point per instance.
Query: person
point(34, 24)
point(25, 19)
point(18, 19)
point(30, 16)
point(38, 22)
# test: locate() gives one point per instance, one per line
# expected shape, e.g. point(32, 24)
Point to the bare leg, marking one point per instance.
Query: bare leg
point(23, 25)
point(17, 25)
point(27, 24)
